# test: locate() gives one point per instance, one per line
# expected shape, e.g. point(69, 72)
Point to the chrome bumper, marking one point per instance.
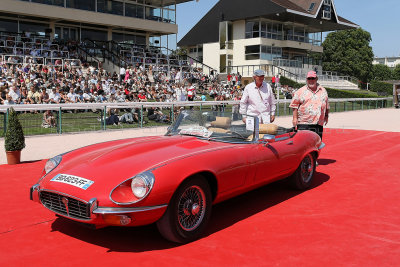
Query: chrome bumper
point(321, 146)
point(104, 210)
point(97, 213)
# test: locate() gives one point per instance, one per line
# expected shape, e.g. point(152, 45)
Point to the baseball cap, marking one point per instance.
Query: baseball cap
point(311, 74)
point(259, 73)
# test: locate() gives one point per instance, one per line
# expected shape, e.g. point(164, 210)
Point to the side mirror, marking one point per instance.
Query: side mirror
point(269, 137)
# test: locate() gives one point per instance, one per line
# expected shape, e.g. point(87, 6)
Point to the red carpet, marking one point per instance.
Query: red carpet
point(350, 217)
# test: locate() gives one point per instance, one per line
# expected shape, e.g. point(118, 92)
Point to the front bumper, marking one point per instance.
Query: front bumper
point(99, 216)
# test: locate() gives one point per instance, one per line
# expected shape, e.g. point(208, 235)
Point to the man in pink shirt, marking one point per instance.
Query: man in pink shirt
point(310, 106)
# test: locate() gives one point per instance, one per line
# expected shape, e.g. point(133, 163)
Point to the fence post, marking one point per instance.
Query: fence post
point(141, 116)
point(335, 106)
point(352, 105)
point(201, 106)
point(6, 120)
point(59, 128)
point(376, 104)
point(173, 113)
point(344, 106)
point(362, 104)
point(104, 118)
point(277, 108)
point(284, 108)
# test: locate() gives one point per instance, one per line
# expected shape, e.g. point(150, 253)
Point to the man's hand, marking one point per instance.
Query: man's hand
point(272, 118)
point(294, 122)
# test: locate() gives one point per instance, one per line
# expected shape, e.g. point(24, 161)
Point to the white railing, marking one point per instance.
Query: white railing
point(72, 106)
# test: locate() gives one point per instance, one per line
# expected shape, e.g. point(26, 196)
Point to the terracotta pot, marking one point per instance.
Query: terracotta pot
point(13, 157)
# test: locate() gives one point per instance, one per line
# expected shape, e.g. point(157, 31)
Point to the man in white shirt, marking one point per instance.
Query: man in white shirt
point(258, 99)
point(72, 97)
point(54, 96)
point(122, 73)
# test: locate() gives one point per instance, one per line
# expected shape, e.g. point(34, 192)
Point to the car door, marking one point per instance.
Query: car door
point(273, 159)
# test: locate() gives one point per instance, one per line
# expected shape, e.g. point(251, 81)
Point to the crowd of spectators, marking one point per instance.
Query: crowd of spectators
point(54, 84)
point(40, 71)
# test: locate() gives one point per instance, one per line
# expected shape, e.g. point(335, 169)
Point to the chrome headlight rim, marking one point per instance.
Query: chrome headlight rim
point(149, 179)
point(55, 161)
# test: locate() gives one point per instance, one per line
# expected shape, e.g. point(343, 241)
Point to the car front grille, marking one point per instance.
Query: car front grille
point(65, 205)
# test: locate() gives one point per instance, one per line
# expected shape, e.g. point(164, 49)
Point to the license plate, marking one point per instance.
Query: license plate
point(73, 180)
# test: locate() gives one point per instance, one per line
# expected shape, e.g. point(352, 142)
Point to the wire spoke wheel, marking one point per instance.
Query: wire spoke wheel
point(191, 208)
point(307, 168)
point(188, 212)
point(302, 178)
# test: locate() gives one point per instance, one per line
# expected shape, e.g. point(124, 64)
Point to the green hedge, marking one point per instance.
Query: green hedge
point(336, 93)
point(333, 93)
point(286, 81)
point(382, 88)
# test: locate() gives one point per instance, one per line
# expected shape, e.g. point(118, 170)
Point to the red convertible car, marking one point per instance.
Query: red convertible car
point(173, 180)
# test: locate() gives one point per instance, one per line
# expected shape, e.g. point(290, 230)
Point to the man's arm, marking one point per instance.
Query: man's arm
point(272, 103)
point(243, 102)
point(295, 117)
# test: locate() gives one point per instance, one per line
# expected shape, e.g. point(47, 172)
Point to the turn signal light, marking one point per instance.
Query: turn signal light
point(117, 219)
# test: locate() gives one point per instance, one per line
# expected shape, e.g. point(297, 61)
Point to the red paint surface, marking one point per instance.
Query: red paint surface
point(350, 217)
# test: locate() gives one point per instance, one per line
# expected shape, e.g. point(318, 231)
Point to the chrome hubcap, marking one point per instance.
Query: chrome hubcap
point(191, 208)
point(307, 168)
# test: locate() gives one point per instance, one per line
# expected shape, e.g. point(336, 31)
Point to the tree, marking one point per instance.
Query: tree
point(349, 53)
point(396, 72)
point(381, 72)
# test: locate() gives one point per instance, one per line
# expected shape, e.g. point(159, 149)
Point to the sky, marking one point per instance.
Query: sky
point(380, 18)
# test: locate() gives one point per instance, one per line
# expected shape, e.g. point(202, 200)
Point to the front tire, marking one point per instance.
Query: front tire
point(188, 211)
point(304, 175)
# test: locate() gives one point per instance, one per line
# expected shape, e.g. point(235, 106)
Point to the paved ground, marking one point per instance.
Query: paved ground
point(42, 147)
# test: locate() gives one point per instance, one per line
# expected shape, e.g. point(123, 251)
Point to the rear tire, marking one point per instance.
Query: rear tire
point(303, 177)
point(188, 211)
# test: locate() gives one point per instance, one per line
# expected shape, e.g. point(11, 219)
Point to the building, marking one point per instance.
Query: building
point(137, 21)
point(391, 62)
point(277, 35)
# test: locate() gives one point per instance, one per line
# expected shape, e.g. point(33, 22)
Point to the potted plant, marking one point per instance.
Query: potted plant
point(14, 140)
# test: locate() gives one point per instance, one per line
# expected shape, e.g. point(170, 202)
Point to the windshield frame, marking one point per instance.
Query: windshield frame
point(174, 128)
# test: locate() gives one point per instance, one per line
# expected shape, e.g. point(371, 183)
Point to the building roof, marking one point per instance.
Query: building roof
point(207, 30)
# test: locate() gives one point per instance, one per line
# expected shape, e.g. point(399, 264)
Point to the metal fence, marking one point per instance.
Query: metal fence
point(70, 118)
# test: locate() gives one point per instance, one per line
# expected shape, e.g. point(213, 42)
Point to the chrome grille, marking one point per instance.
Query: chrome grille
point(65, 205)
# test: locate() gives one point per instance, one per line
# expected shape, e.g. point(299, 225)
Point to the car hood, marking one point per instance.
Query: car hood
point(111, 163)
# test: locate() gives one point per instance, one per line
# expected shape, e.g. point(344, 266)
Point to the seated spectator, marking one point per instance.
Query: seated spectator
point(71, 96)
point(33, 96)
point(156, 115)
point(48, 119)
point(45, 96)
point(54, 96)
point(9, 100)
point(127, 118)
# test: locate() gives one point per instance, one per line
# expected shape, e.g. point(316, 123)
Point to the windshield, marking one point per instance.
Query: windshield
point(213, 125)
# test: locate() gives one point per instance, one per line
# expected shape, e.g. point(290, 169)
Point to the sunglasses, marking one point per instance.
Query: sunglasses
point(311, 78)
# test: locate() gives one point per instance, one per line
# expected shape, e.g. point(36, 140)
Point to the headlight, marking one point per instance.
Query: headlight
point(133, 189)
point(51, 164)
point(141, 184)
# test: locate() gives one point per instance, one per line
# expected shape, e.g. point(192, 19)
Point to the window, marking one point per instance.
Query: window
point(327, 2)
point(263, 52)
point(326, 12)
point(252, 52)
point(110, 7)
point(311, 7)
point(50, 2)
point(82, 4)
point(263, 29)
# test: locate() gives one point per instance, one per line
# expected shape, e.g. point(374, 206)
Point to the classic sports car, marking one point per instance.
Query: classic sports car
point(173, 180)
